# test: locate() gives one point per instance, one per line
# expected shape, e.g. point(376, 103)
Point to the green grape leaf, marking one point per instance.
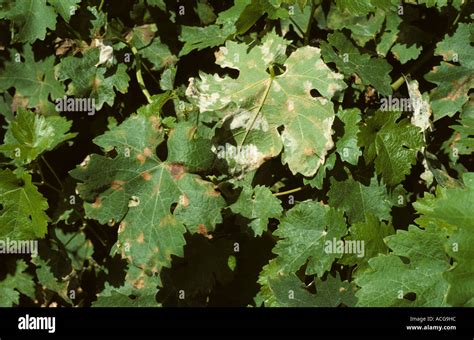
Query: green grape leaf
point(34, 80)
point(13, 285)
point(405, 53)
point(268, 101)
point(304, 231)
point(280, 290)
point(348, 59)
point(357, 200)
point(65, 8)
point(29, 135)
point(451, 211)
point(410, 276)
point(188, 147)
point(47, 279)
point(454, 82)
point(257, 204)
point(32, 19)
point(89, 80)
point(371, 232)
point(393, 145)
point(126, 297)
point(149, 46)
point(23, 214)
point(346, 146)
point(198, 38)
point(130, 188)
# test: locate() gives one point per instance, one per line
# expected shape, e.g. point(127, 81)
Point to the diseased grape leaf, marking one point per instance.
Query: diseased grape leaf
point(257, 204)
point(393, 145)
point(357, 200)
point(187, 146)
point(23, 215)
point(149, 46)
point(304, 231)
point(29, 135)
point(65, 8)
point(268, 101)
point(13, 285)
point(91, 81)
point(47, 279)
point(454, 82)
point(138, 190)
point(34, 80)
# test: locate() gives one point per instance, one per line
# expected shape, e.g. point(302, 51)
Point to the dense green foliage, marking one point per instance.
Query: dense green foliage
point(246, 153)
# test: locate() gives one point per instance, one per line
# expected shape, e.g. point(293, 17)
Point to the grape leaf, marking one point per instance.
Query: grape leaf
point(198, 38)
point(65, 8)
point(280, 290)
point(372, 232)
point(34, 80)
point(88, 80)
point(32, 18)
point(454, 82)
point(12, 285)
point(390, 279)
point(268, 101)
point(346, 146)
point(47, 279)
point(22, 216)
point(450, 211)
point(348, 59)
point(187, 146)
point(149, 46)
point(393, 145)
point(304, 231)
point(357, 200)
point(127, 189)
point(29, 135)
point(257, 204)
point(404, 53)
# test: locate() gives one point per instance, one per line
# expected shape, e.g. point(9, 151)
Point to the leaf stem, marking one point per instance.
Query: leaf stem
point(288, 191)
point(139, 75)
point(53, 172)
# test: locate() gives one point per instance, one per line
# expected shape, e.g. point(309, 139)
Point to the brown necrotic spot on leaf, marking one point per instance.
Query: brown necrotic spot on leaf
point(141, 158)
point(203, 231)
point(117, 185)
point(141, 238)
point(183, 200)
point(122, 226)
point(155, 123)
point(146, 175)
point(97, 203)
point(139, 283)
point(147, 152)
point(177, 171)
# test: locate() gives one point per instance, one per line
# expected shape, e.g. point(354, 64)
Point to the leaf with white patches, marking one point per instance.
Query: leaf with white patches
point(271, 100)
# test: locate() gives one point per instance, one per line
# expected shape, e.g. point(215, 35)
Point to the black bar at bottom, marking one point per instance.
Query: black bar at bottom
point(384, 323)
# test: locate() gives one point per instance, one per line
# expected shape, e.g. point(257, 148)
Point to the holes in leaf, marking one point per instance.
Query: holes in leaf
point(173, 207)
point(278, 69)
point(411, 296)
point(315, 93)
